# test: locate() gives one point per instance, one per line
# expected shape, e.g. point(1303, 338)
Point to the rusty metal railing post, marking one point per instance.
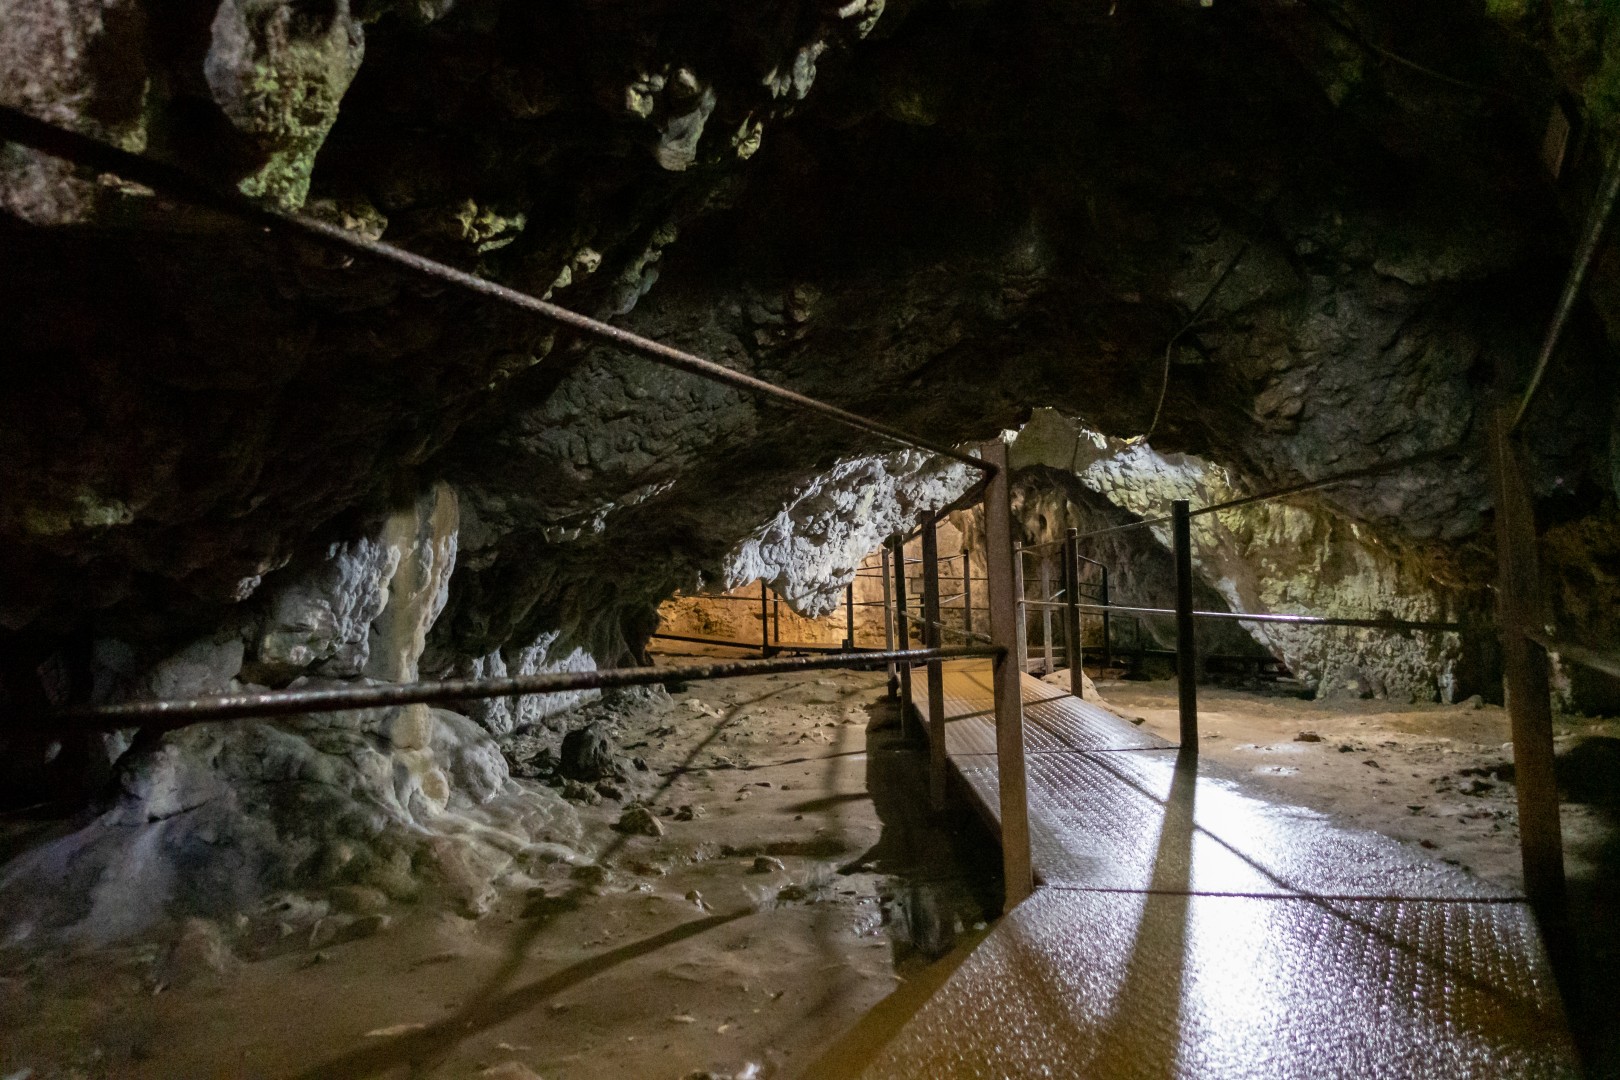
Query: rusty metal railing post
point(1020, 594)
point(849, 617)
point(1527, 686)
point(1108, 640)
point(902, 627)
point(1076, 653)
point(1186, 644)
point(1006, 613)
point(967, 590)
point(936, 670)
point(888, 625)
point(764, 619)
point(1046, 613)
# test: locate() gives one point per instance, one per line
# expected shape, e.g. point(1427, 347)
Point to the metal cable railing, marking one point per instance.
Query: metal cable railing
point(1295, 620)
point(19, 127)
point(179, 713)
point(716, 596)
point(25, 130)
point(1606, 662)
point(913, 619)
point(1284, 492)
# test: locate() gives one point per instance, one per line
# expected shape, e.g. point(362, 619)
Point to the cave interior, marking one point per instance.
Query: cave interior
point(373, 360)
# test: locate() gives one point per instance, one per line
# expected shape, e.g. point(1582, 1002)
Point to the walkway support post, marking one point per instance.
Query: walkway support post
point(1020, 594)
point(1108, 641)
point(1075, 653)
point(764, 620)
point(849, 617)
point(936, 669)
point(902, 627)
point(888, 625)
point(1186, 645)
point(1006, 612)
point(1527, 685)
point(1046, 615)
point(967, 589)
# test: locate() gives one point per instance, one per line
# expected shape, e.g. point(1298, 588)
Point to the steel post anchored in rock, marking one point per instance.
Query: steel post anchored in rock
point(764, 620)
point(1006, 617)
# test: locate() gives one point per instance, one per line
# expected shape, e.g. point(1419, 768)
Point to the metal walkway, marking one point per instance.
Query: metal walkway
point(1183, 928)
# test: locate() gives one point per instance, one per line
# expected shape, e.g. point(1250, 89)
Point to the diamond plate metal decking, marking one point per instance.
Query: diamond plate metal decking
point(1184, 928)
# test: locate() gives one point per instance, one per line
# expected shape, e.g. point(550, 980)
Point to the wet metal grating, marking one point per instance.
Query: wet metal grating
point(1134, 985)
point(1189, 929)
point(1053, 721)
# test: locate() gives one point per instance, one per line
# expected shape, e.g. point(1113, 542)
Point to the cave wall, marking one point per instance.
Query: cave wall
point(1286, 557)
point(943, 215)
point(1387, 227)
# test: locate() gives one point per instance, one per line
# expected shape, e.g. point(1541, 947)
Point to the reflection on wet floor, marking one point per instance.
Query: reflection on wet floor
point(1186, 929)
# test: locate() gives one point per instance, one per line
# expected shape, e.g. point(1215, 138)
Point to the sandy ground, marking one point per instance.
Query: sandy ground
point(806, 885)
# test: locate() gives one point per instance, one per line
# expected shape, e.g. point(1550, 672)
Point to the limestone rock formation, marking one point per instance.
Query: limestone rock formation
point(396, 800)
point(1274, 557)
point(809, 551)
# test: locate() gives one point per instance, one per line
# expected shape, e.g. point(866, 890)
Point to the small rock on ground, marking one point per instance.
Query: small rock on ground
point(639, 821)
point(586, 753)
point(200, 952)
point(578, 792)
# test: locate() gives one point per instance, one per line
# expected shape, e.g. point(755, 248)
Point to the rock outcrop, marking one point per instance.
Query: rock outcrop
point(1275, 557)
point(223, 818)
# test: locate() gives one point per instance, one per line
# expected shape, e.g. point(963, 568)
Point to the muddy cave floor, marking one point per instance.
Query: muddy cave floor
point(800, 902)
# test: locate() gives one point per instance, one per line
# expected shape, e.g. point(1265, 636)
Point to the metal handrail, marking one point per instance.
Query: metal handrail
point(60, 142)
point(1295, 620)
point(770, 649)
point(182, 712)
point(1606, 662)
point(1293, 489)
point(715, 596)
point(918, 620)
